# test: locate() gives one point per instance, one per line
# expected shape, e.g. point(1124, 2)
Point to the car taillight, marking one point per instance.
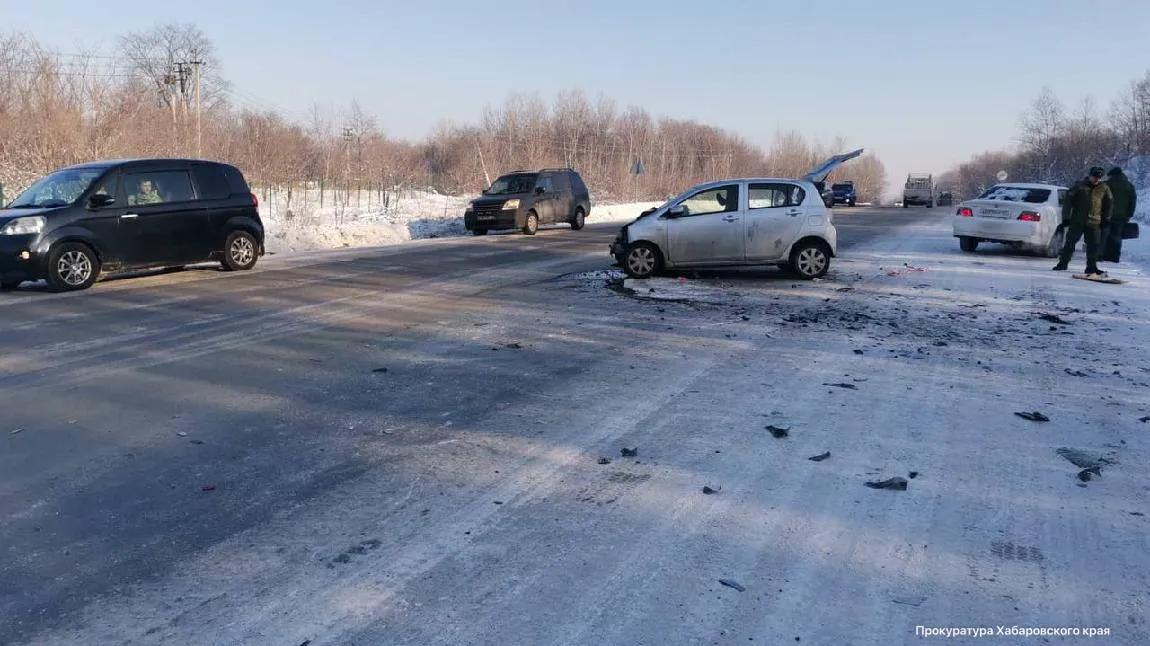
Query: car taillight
point(255, 201)
point(965, 212)
point(1030, 216)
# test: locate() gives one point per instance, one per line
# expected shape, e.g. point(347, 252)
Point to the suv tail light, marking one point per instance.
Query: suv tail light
point(1030, 216)
point(965, 212)
point(255, 201)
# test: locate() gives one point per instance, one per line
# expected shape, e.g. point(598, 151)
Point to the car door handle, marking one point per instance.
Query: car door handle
point(129, 216)
point(794, 213)
point(730, 219)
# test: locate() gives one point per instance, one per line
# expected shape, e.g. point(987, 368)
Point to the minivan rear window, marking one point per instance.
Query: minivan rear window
point(1017, 194)
point(211, 182)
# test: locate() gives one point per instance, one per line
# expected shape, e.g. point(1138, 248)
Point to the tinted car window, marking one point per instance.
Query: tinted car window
point(109, 186)
point(713, 200)
point(512, 184)
point(771, 196)
point(577, 183)
point(235, 180)
point(561, 182)
point(546, 184)
point(211, 182)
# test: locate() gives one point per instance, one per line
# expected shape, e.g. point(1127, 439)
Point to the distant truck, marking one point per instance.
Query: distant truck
point(919, 190)
point(844, 192)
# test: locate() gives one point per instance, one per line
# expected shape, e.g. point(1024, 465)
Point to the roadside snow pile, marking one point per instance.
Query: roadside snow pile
point(414, 215)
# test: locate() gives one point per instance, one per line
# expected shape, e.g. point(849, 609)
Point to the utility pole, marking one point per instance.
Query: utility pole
point(199, 110)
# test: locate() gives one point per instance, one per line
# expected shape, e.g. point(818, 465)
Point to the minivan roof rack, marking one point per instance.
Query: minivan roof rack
point(551, 170)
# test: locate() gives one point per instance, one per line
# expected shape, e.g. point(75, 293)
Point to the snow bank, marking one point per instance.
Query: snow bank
point(414, 215)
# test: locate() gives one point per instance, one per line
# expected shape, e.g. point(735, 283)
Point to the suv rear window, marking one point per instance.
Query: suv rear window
point(235, 179)
point(1017, 194)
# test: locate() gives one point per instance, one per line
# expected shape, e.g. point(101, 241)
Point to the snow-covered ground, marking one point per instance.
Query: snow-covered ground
point(910, 360)
point(415, 215)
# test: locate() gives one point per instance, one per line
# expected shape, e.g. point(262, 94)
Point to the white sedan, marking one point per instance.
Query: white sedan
point(1025, 216)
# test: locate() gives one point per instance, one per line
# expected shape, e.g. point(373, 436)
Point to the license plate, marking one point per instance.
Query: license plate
point(994, 213)
point(486, 217)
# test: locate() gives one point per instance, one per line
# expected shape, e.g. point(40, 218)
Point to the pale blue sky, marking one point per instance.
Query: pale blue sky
point(924, 83)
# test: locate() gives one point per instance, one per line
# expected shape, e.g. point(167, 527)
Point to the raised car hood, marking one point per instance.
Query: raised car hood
point(819, 173)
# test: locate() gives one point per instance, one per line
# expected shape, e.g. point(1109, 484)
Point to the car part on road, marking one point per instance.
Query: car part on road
point(845, 386)
point(820, 457)
point(604, 460)
point(778, 432)
point(707, 490)
point(1034, 416)
point(642, 260)
point(968, 244)
point(629, 453)
point(241, 251)
point(894, 484)
point(734, 585)
point(72, 266)
point(810, 259)
point(1087, 474)
point(1083, 459)
point(531, 224)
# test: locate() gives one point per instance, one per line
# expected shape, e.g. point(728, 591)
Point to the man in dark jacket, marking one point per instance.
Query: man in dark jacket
point(1086, 209)
point(1125, 201)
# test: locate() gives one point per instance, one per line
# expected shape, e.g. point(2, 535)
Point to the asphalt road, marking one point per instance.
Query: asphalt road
point(167, 427)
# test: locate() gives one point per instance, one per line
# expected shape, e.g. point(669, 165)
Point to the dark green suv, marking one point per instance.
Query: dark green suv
point(526, 199)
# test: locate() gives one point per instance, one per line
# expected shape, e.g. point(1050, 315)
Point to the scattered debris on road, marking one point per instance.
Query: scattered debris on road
point(708, 490)
point(604, 460)
point(380, 370)
point(1033, 416)
point(820, 457)
point(15, 431)
point(1076, 373)
point(732, 584)
point(912, 475)
point(1083, 459)
point(208, 488)
point(895, 484)
point(843, 385)
point(629, 453)
point(181, 433)
point(1053, 318)
point(1088, 474)
point(778, 432)
point(514, 346)
point(1144, 419)
point(909, 601)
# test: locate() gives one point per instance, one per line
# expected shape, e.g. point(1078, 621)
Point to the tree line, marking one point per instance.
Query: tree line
point(1057, 144)
point(63, 109)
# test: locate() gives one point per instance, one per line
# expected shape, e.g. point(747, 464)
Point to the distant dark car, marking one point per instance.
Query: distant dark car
point(945, 198)
point(526, 199)
point(844, 193)
point(81, 221)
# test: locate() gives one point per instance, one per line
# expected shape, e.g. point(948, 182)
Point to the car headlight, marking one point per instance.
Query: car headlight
point(510, 205)
point(23, 227)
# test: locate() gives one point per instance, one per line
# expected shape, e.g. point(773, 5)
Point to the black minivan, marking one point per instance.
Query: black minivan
point(526, 199)
point(81, 221)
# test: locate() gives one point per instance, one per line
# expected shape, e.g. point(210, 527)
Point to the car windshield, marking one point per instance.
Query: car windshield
point(918, 182)
point(512, 184)
point(1017, 194)
point(842, 187)
point(58, 189)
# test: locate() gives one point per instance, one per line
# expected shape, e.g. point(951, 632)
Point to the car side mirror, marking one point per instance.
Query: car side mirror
point(100, 200)
point(677, 211)
point(539, 190)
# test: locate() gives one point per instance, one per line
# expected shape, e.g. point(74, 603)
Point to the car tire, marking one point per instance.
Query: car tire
point(531, 224)
point(930, 205)
point(241, 251)
point(72, 266)
point(968, 244)
point(905, 205)
point(642, 260)
point(9, 285)
point(851, 204)
point(1054, 248)
point(810, 259)
point(479, 232)
point(579, 220)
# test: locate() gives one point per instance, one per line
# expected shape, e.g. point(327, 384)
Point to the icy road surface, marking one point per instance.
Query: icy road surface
point(422, 445)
